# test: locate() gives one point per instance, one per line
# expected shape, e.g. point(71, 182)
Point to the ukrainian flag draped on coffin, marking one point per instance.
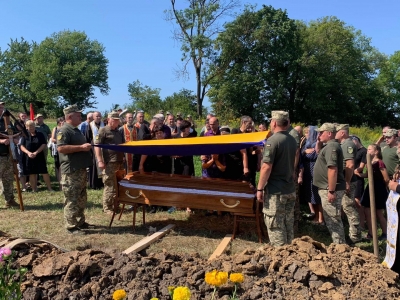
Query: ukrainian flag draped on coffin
point(192, 146)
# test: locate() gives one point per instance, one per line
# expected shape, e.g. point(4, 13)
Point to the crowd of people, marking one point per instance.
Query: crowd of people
point(323, 166)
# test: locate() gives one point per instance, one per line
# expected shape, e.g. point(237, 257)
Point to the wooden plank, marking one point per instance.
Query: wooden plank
point(221, 247)
point(144, 243)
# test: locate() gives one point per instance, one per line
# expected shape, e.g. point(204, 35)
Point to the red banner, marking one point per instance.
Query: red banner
point(32, 113)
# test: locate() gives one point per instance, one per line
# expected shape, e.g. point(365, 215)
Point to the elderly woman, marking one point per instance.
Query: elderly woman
point(33, 160)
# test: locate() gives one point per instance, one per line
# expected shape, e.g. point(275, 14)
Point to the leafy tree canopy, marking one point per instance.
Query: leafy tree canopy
point(67, 67)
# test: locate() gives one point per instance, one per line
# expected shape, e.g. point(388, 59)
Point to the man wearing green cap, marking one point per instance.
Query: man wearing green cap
point(389, 151)
point(75, 157)
point(349, 150)
point(329, 178)
point(276, 187)
point(109, 160)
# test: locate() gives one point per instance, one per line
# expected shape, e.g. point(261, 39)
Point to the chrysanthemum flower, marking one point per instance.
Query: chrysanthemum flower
point(181, 293)
point(236, 277)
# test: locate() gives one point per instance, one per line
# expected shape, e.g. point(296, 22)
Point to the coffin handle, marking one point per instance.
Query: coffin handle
point(132, 197)
point(229, 206)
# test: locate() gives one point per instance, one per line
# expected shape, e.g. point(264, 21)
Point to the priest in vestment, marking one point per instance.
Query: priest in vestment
point(130, 133)
point(95, 180)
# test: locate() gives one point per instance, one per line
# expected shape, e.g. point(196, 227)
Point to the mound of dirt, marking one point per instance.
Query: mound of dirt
point(306, 269)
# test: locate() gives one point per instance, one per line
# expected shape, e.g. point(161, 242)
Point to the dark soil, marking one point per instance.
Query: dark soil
point(306, 269)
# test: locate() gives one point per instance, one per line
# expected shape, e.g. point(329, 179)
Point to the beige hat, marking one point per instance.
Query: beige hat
point(113, 115)
point(342, 127)
point(391, 132)
point(38, 116)
point(69, 109)
point(327, 127)
point(2, 103)
point(280, 115)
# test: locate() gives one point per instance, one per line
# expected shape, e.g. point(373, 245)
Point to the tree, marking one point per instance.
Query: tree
point(261, 50)
point(389, 82)
point(144, 97)
point(67, 67)
point(338, 69)
point(15, 72)
point(319, 72)
point(197, 28)
point(184, 101)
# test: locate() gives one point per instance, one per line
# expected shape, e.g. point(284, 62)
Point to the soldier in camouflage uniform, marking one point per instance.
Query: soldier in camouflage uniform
point(6, 166)
point(75, 157)
point(349, 150)
point(276, 187)
point(108, 160)
point(329, 178)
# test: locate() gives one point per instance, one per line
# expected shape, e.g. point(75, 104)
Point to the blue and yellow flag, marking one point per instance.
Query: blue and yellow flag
point(192, 146)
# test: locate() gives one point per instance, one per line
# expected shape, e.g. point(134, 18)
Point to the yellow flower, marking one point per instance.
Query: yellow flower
point(171, 289)
point(181, 293)
point(236, 277)
point(119, 295)
point(216, 278)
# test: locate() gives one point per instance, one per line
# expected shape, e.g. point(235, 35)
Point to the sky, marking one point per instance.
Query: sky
point(138, 40)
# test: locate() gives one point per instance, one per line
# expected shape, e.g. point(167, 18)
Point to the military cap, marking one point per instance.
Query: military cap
point(179, 114)
point(327, 127)
point(68, 110)
point(391, 132)
point(342, 127)
point(280, 115)
point(113, 115)
point(168, 113)
point(189, 116)
point(38, 116)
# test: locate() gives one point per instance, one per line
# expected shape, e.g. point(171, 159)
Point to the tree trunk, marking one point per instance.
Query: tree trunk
point(199, 95)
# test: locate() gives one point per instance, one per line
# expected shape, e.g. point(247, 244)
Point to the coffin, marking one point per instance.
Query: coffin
point(159, 189)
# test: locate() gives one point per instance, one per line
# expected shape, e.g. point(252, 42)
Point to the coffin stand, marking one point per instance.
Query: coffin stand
point(234, 197)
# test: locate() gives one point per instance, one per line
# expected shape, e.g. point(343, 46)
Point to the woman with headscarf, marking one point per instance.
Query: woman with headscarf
point(309, 191)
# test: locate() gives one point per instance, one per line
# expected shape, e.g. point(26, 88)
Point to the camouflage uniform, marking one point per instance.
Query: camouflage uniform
point(333, 216)
point(73, 173)
point(279, 218)
point(75, 198)
point(6, 170)
point(7, 177)
point(348, 203)
point(108, 180)
point(331, 155)
point(280, 191)
point(113, 161)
